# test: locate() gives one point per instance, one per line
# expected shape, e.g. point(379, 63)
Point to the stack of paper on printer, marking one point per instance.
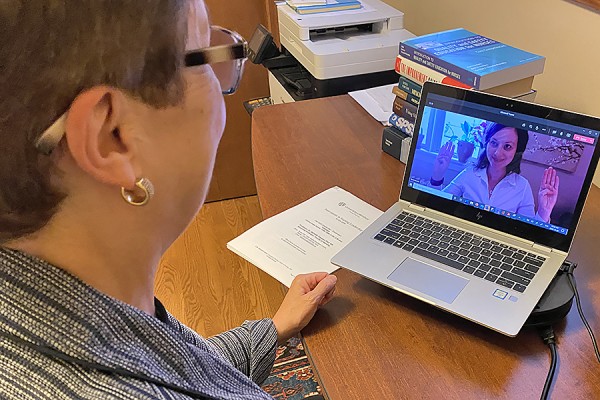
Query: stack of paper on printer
point(304, 238)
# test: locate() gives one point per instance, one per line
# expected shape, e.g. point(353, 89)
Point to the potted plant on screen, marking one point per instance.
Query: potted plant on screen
point(472, 135)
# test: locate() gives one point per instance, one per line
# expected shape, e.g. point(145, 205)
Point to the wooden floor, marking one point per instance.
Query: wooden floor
point(208, 287)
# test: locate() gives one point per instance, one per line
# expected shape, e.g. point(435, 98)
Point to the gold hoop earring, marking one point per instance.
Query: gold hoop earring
point(139, 197)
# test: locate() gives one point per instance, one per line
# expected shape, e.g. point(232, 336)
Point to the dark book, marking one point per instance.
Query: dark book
point(404, 109)
point(409, 86)
point(391, 141)
point(411, 98)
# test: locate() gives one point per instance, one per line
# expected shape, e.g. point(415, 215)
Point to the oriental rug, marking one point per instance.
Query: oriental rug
point(293, 377)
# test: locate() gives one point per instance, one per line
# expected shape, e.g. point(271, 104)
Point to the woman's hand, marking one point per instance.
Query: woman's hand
point(548, 193)
point(442, 161)
point(307, 293)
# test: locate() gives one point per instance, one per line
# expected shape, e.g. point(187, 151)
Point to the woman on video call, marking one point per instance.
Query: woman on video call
point(495, 179)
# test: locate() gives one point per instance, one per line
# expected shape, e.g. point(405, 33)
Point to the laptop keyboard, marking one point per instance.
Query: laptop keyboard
point(484, 258)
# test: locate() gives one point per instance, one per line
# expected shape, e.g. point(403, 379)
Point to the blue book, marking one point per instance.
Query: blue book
point(472, 59)
point(332, 5)
point(402, 124)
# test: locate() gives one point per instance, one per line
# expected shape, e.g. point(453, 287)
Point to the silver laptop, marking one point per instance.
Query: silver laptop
point(491, 197)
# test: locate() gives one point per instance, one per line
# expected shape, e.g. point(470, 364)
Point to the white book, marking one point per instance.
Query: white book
point(304, 238)
point(306, 3)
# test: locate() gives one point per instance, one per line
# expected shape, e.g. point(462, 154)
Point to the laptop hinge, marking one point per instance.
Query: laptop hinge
point(541, 248)
point(405, 203)
point(414, 206)
point(548, 249)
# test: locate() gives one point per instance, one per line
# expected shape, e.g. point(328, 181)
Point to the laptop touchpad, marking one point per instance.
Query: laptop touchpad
point(429, 280)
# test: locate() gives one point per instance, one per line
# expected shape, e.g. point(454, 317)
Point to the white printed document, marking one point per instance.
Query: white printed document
point(377, 101)
point(304, 238)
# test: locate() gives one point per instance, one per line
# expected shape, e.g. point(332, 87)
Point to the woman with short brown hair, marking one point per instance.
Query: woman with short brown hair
point(110, 119)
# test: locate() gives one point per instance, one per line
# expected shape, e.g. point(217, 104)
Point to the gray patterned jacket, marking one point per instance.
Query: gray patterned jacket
point(43, 305)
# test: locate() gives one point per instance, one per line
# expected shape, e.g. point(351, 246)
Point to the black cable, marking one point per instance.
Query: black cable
point(547, 335)
point(571, 278)
point(548, 384)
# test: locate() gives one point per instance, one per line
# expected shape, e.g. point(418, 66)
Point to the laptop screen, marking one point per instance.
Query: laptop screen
point(522, 168)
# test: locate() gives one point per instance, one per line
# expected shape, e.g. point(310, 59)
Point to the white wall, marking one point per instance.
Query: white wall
point(568, 36)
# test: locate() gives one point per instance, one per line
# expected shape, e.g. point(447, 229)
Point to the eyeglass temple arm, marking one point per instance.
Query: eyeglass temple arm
point(50, 138)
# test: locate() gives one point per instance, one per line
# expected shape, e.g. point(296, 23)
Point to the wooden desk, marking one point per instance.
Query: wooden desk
point(371, 342)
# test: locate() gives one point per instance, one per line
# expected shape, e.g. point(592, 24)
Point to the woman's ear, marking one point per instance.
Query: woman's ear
point(95, 138)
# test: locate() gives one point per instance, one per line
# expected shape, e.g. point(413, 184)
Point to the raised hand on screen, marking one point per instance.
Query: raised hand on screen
point(548, 193)
point(442, 161)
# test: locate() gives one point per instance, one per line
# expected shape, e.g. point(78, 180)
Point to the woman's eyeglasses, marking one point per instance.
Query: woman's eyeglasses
point(226, 55)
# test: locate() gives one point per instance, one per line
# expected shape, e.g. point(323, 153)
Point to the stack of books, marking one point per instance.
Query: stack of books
point(322, 6)
point(460, 58)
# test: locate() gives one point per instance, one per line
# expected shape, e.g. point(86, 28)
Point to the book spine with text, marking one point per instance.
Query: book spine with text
point(411, 98)
point(409, 86)
point(443, 67)
point(421, 74)
point(404, 109)
point(402, 123)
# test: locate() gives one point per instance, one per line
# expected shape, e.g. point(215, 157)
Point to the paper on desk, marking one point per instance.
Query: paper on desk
point(377, 101)
point(304, 238)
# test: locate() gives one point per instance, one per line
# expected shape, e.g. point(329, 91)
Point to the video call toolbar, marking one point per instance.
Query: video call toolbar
point(587, 136)
point(517, 120)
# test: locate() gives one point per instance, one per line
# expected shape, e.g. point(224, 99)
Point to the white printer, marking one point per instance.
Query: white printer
point(337, 52)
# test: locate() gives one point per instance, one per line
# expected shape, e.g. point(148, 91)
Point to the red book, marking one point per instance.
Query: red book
point(421, 74)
